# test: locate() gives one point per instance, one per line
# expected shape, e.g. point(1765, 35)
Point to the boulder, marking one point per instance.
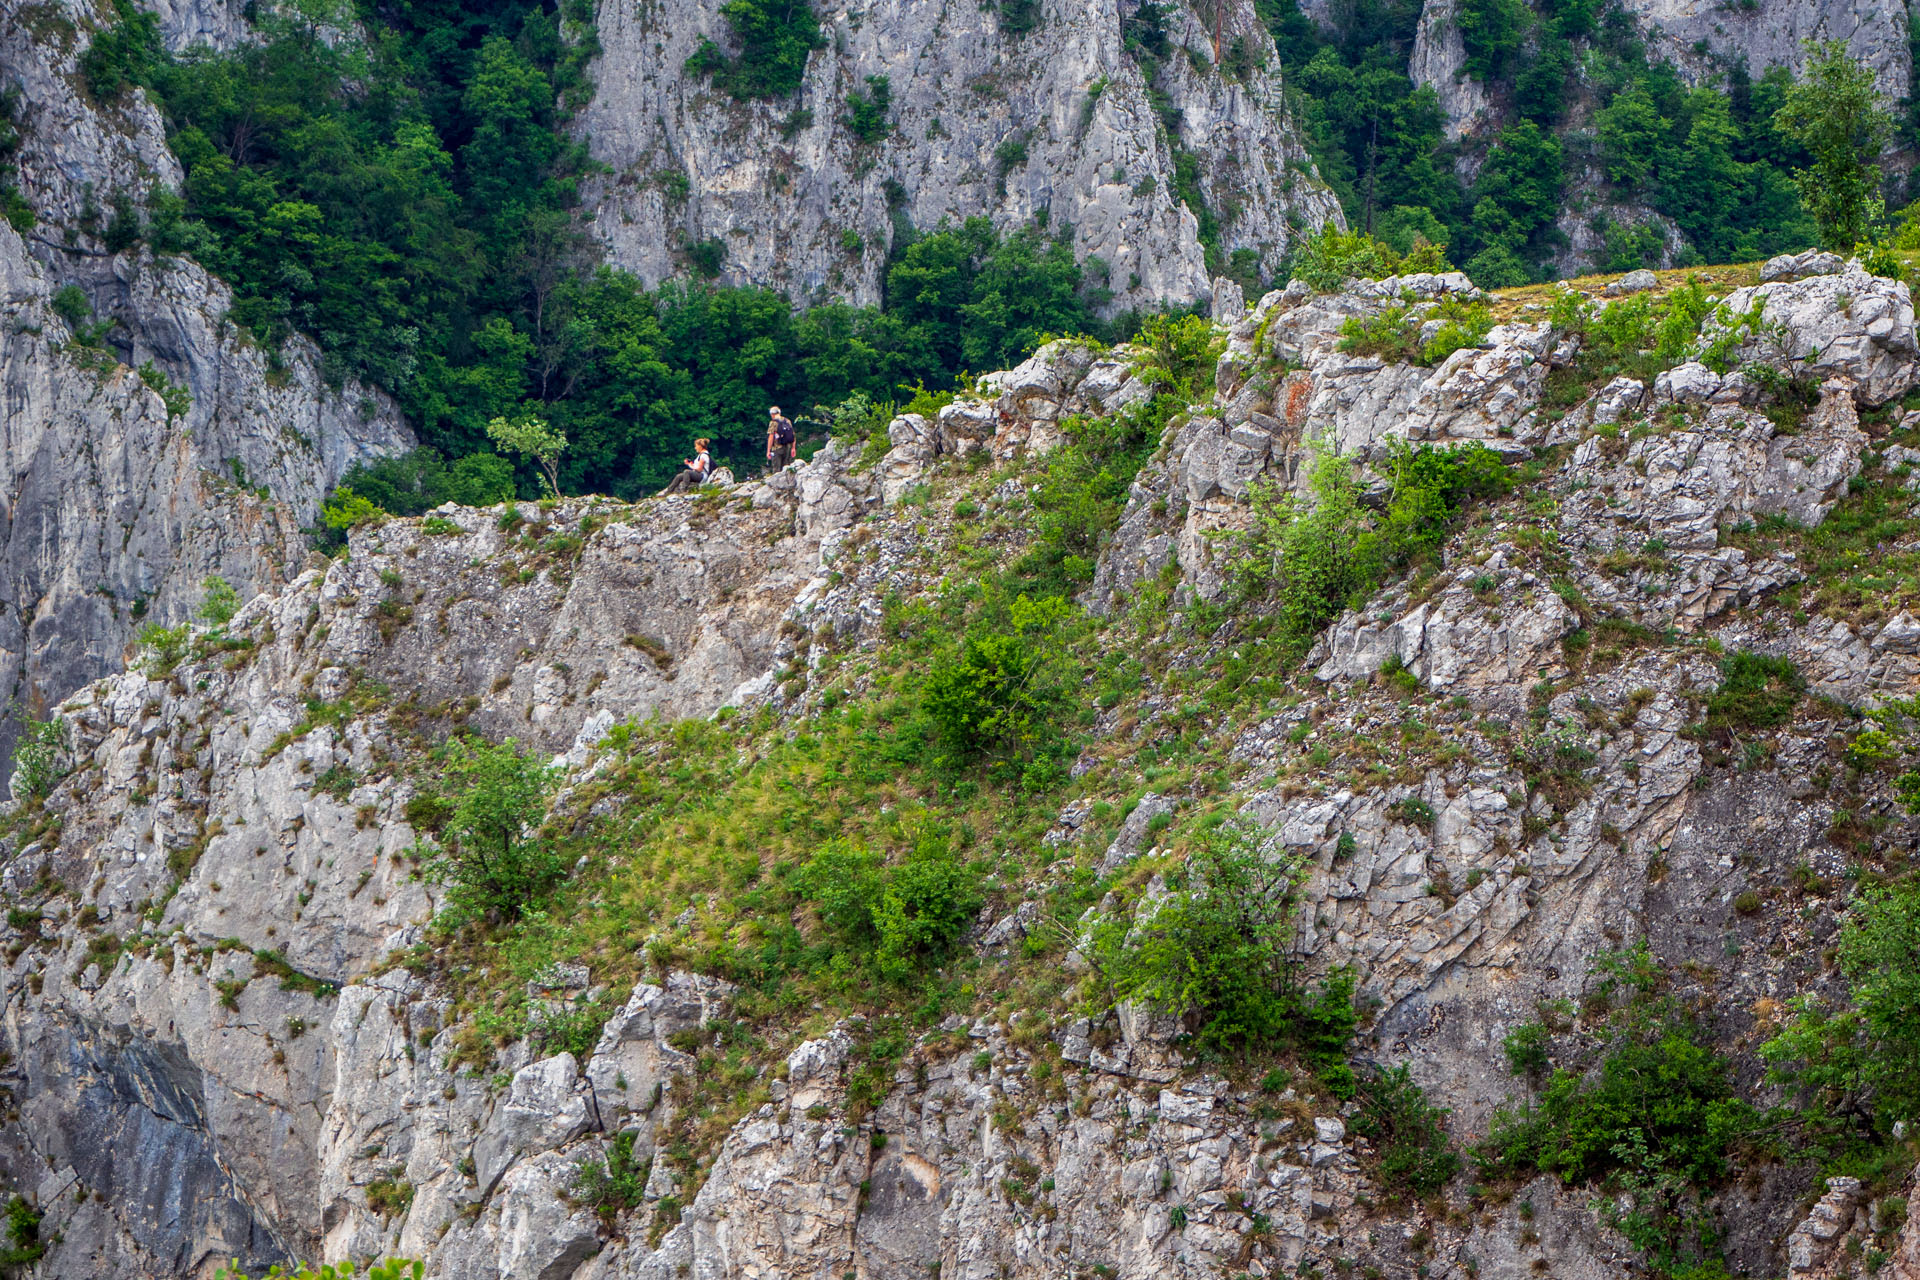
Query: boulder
point(1633, 282)
point(1848, 324)
point(546, 1106)
point(1796, 266)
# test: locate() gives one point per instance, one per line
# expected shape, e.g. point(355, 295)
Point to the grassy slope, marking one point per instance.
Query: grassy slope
point(698, 860)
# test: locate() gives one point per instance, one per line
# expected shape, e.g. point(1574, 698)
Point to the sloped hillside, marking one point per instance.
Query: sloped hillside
point(1245, 802)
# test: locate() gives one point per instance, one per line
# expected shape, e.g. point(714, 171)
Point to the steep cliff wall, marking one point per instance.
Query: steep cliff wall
point(223, 1032)
point(1701, 41)
point(117, 507)
point(1056, 122)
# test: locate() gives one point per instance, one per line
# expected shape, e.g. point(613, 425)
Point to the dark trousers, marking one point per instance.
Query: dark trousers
point(685, 481)
point(781, 455)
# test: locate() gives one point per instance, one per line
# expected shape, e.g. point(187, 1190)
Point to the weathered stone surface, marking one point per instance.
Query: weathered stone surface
point(115, 510)
point(1633, 282)
point(1795, 266)
point(1844, 324)
point(1461, 890)
point(962, 86)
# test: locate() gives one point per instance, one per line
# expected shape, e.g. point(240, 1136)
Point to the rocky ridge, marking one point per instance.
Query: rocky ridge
point(293, 1094)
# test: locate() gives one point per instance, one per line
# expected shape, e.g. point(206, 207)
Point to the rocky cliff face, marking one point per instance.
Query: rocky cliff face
point(1056, 122)
point(213, 1053)
point(1701, 41)
point(117, 506)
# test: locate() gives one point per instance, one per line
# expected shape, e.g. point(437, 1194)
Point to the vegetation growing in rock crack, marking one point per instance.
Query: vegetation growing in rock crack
point(1217, 952)
point(1316, 561)
point(1647, 1112)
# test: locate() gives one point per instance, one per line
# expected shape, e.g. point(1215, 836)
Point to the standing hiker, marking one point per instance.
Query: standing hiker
point(780, 439)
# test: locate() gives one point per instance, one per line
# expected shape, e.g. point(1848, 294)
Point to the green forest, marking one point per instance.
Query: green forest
point(1710, 158)
point(408, 196)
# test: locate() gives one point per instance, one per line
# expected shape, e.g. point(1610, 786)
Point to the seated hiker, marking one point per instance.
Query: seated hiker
point(698, 469)
point(780, 439)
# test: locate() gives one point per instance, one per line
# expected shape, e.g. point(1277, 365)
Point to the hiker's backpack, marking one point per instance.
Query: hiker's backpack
point(783, 432)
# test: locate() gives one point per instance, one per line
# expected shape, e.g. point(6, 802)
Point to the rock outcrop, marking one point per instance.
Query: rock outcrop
point(1053, 123)
point(161, 445)
point(216, 961)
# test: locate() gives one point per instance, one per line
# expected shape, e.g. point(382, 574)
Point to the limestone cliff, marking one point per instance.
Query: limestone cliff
point(1056, 122)
point(1701, 41)
point(214, 1053)
point(116, 505)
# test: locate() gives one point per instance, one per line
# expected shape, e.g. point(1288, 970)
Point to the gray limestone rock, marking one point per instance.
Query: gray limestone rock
point(1844, 324)
point(1633, 282)
point(286, 1117)
point(117, 507)
point(964, 90)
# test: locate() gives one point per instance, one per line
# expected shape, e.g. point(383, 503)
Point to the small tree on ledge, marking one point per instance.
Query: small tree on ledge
point(535, 439)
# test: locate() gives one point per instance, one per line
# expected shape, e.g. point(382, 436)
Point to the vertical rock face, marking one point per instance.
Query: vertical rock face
point(1439, 60)
point(1700, 39)
point(116, 506)
point(1056, 122)
point(1769, 33)
point(218, 24)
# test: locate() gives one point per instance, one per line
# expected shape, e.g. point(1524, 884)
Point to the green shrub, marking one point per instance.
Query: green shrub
point(775, 39)
point(895, 918)
point(1641, 334)
point(617, 1184)
point(1319, 560)
point(1412, 1155)
point(24, 1246)
point(573, 1029)
point(1392, 334)
point(1081, 492)
point(1176, 355)
point(493, 858)
point(36, 755)
point(344, 509)
point(177, 399)
point(1864, 1051)
point(1462, 324)
point(1218, 953)
point(866, 117)
point(1648, 1113)
point(70, 304)
point(390, 1197)
point(1328, 259)
point(1017, 17)
point(428, 812)
point(1001, 695)
point(1756, 692)
point(218, 600)
point(165, 647)
point(927, 404)
point(123, 55)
